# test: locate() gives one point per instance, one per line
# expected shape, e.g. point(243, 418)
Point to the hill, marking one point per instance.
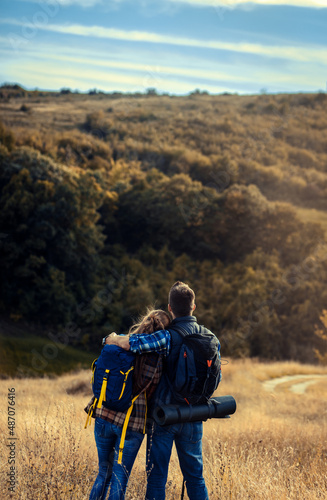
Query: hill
point(24, 351)
point(107, 199)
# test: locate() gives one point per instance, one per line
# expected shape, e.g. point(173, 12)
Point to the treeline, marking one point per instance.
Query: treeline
point(97, 221)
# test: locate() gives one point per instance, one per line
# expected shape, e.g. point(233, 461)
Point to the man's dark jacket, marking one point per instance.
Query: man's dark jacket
point(163, 394)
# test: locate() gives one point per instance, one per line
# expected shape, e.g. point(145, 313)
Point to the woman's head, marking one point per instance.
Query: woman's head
point(154, 320)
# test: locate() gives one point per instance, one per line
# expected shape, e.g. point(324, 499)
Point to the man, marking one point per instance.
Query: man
point(187, 436)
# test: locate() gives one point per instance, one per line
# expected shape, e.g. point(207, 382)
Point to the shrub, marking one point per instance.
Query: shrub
point(25, 108)
point(7, 137)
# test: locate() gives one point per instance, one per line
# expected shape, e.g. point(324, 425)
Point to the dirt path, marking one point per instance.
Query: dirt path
point(302, 382)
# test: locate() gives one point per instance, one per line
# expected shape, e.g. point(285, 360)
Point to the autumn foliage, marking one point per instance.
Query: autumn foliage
point(108, 199)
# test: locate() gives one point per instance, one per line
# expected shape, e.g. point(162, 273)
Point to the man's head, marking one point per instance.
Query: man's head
point(181, 300)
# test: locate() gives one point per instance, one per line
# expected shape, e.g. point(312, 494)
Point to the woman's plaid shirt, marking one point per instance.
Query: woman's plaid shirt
point(148, 370)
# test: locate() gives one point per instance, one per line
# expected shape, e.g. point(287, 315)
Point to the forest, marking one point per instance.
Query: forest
point(107, 199)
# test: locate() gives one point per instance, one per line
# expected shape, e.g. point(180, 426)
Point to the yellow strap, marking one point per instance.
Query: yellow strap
point(123, 434)
point(124, 384)
point(103, 389)
point(93, 370)
point(90, 413)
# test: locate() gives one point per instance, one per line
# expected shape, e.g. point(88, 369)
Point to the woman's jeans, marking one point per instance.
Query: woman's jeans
point(188, 442)
point(107, 438)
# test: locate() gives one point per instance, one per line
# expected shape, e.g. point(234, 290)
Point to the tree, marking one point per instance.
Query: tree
point(50, 257)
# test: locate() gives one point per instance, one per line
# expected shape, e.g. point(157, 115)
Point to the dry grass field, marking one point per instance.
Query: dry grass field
point(274, 447)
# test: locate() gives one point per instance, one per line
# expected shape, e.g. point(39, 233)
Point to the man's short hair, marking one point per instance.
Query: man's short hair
point(181, 299)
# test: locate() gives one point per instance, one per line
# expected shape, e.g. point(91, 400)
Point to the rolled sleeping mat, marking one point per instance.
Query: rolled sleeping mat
point(218, 407)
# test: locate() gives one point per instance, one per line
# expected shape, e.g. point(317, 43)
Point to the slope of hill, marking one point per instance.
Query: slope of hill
point(108, 199)
point(25, 352)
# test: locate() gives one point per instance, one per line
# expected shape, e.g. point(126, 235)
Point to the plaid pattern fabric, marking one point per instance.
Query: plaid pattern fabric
point(151, 342)
point(149, 367)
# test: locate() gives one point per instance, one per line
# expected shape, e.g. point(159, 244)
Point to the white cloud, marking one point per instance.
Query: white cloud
point(154, 75)
point(220, 4)
point(50, 76)
point(211, 3)
point(230, 4)
point(54, 76)
point(151, 72)
point(80, 3)
point(53, 67)
point(293, 53)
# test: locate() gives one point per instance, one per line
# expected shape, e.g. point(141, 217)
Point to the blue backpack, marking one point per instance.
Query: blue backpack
point(112, 384)
point(112, 379)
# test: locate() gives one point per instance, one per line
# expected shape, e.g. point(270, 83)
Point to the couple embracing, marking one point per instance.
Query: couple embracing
point(157, 344)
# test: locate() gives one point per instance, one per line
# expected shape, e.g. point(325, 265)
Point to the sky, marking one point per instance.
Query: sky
point(174, 46)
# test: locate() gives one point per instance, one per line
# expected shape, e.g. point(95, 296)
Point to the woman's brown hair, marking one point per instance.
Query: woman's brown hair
point(154, 320)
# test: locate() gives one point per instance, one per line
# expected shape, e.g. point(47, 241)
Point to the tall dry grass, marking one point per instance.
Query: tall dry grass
point(274, 447)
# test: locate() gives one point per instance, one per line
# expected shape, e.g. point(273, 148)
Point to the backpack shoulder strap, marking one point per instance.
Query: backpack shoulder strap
point(124, 429)
point(179, 329)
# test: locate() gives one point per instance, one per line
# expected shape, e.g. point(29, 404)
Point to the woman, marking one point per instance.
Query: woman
point(109, 423)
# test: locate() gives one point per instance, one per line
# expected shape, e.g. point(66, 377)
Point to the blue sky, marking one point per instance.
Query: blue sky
point(175, 46)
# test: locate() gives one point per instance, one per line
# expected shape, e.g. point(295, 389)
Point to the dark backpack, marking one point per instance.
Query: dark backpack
point(198, 367)
point(112, 380)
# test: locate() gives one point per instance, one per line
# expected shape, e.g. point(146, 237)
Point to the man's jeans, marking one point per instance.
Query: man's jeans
point(107, 438)
point(188, 442)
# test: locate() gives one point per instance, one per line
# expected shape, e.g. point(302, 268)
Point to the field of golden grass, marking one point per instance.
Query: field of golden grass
point(273, 447)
